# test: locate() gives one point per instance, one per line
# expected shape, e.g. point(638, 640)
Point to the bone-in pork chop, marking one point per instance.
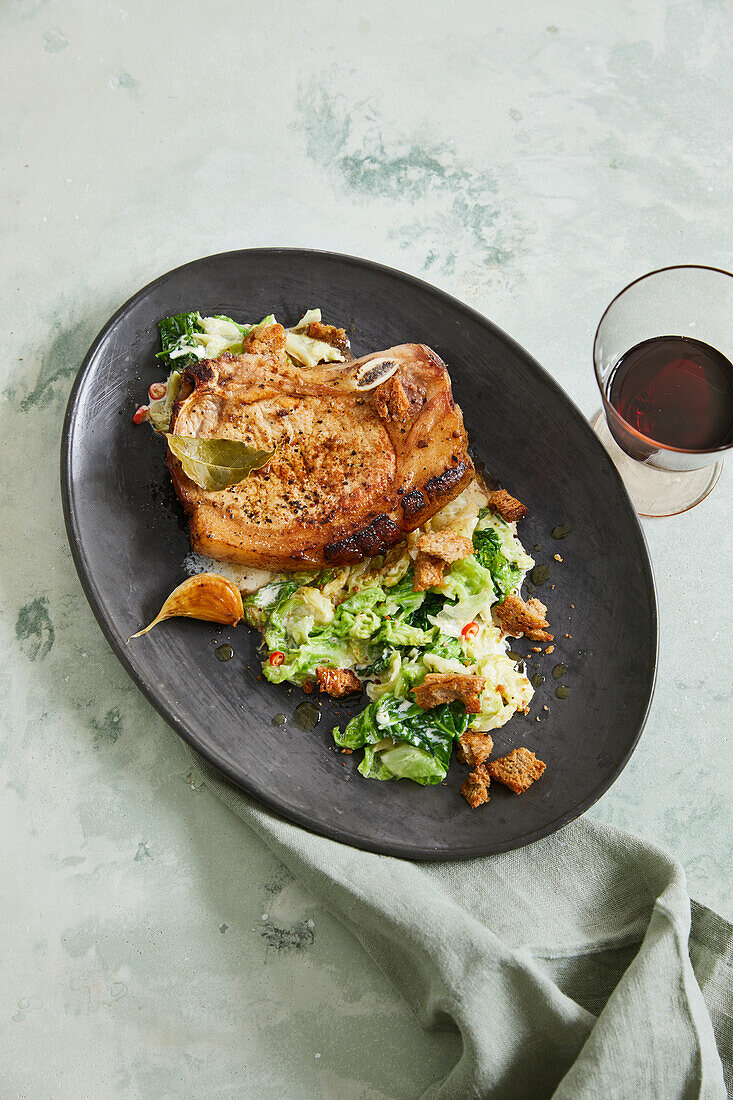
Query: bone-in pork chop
point(353, 469)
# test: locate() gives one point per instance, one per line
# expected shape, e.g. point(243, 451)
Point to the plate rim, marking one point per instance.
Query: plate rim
point(272, 802)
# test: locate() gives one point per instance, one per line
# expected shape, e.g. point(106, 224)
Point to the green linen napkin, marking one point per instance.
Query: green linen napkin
point(575, 967)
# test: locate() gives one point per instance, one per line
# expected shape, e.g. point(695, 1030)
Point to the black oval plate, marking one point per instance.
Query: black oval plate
point(129, 539)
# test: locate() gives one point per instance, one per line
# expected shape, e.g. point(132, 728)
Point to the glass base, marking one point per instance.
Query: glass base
point(657, 492)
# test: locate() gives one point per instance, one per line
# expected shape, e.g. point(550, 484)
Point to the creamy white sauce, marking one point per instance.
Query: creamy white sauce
point(475, 494)
point(246, 578)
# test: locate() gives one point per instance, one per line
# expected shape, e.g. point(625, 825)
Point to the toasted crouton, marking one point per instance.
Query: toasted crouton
point(475, 747)
point(475, 789)
point(428, 572)
point(444, 687)
point(337, 681)
point(329, 334)
point(517, 617)
point(508, 507)
point(263, 339)
point(517, 771)
point(396, 399)
point(444, 545)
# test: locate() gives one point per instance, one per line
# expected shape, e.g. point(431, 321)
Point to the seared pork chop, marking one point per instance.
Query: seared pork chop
point(353, 469)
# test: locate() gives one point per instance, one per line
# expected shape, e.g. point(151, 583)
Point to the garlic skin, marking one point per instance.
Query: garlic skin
point(206, 596)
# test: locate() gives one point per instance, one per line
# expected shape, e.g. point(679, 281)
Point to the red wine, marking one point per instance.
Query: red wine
point(676, 391)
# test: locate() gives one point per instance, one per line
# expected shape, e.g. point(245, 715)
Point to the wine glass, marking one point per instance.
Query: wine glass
point(662, 356)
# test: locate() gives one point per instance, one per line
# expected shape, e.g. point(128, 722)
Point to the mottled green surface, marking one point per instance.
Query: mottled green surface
point(530, 159)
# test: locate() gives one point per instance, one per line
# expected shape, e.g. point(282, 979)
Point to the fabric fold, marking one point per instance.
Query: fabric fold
point(564, 965)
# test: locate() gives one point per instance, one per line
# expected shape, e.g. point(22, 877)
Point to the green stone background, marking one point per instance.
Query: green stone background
point(530, 159)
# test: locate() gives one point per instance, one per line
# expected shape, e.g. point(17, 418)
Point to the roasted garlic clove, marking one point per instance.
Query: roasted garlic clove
point(206, 596)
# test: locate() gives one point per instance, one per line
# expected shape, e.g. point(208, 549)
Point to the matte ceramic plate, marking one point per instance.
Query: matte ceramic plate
point(129, 541)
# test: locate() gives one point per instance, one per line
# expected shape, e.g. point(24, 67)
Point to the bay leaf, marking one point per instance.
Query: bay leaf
point(217, 463)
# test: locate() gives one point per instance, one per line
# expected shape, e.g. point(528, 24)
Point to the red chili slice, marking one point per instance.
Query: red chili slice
point(470, 630)
point(157, 390)
point(277, 658)
point(141, 414)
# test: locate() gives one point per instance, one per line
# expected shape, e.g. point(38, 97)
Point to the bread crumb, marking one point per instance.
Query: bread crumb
point(475, 747)
point(444, 545)
point(337, 682)
point(557, 557)
point(550, 649)
point(508, 507)
point(517, 618)
point(428, 572)
point(518, 770)
point(444, 687)
point(475, 789)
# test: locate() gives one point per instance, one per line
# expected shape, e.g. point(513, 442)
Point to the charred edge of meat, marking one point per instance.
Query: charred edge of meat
point(446, 482)
point(413, 503)
point(373, 539)
point(200, 372)
point(194, 375)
